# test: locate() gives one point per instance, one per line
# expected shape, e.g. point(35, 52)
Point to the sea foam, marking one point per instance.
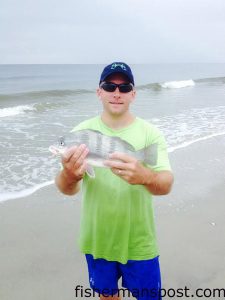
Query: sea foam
point(25, 192)
point(188, 143)
point(15, 110)
point(177, 84)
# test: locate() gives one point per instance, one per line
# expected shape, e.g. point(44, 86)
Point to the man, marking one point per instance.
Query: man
point(117, 226)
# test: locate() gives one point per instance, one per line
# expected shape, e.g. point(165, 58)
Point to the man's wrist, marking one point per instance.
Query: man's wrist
point(70, 178)
point(149, 176)
point(68, 185)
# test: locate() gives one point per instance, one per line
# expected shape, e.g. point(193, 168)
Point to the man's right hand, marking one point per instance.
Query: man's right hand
point(73, 161)
point(74, 168)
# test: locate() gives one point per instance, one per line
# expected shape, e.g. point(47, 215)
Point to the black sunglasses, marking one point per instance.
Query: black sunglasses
point(111, 87)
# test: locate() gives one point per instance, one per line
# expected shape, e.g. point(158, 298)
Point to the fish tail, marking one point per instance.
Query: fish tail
point(150, 154)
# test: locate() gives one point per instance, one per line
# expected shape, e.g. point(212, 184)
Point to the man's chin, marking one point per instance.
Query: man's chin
point(116, 112)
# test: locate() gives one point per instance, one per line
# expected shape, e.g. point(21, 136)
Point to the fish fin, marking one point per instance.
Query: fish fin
point(151, 154)
point(90, 171)
point(54, 150)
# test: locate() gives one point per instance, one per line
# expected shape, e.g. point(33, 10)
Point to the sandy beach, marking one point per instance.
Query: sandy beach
point(39, 256)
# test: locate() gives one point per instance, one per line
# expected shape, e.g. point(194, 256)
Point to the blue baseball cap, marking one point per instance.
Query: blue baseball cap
point(117, 67)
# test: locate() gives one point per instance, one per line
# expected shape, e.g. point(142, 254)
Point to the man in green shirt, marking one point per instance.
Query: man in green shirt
point(117, 224)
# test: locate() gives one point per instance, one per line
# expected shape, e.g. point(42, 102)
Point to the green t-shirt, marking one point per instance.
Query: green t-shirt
point(117, 221)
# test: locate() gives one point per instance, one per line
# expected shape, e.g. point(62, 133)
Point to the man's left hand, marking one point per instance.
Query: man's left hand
point(128, 168)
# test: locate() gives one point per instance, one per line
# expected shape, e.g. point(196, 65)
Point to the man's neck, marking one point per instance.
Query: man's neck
point(117, 122)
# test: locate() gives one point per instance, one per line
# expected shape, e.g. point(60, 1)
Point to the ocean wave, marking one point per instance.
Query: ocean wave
point(211, 80)
point(157, 86)
point(167, 85)
point(177, 84)
point(149, 86)
point(15, 110)
point(37, 107)
point(33, 95)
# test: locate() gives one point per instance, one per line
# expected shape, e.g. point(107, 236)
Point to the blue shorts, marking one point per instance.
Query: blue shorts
point(141, 278)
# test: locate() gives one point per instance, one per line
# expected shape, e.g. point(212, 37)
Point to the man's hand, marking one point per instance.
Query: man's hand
point(128, 168)
point(132, 171)
point(74, 167)
point(73, 161)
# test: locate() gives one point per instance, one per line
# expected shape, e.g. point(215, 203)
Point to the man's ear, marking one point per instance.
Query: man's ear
point(98, 92)
point(133, 95)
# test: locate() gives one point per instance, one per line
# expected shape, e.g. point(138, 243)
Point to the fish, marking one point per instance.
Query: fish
point(101, 146)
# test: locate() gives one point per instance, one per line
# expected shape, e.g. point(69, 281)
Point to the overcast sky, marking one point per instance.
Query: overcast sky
point(97, 31)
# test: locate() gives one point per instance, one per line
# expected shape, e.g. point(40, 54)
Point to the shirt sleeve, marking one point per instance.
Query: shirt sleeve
point(163, 163)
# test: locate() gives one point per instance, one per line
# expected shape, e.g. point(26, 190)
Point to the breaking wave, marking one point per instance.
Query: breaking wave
point(177, 84)
point(157, 86)
point(16, 110)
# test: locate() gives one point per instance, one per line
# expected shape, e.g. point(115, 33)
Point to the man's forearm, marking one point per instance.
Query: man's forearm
point(158, 183)
point(67, 185)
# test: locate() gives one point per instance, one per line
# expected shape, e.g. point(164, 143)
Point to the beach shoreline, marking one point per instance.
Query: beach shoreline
point(40, 258)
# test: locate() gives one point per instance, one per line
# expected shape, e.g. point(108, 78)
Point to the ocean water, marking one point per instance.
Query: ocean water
point(39, 103)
